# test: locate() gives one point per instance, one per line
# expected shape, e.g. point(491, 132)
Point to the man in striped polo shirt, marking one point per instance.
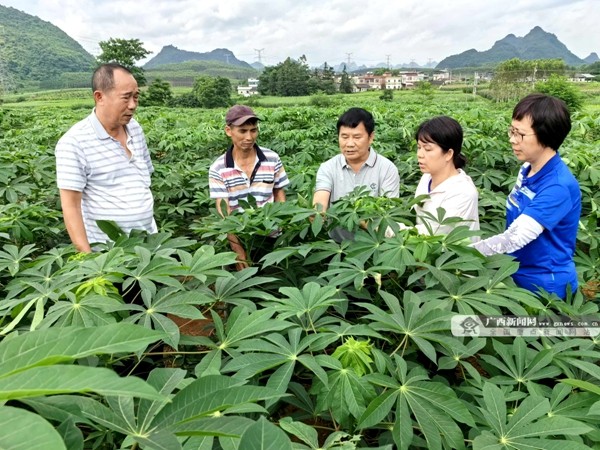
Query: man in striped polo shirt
point(103, 165)
point(245, 169)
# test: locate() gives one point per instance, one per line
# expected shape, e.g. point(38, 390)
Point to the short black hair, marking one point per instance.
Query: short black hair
point(353, 118)
point(103, 78)
point(445, 132)
point(550, 118)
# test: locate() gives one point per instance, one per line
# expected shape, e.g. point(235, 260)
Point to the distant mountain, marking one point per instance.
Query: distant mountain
point(170, 54)
point(537, 44)
point(592, 58)
point(33, 50)
point(258, 65)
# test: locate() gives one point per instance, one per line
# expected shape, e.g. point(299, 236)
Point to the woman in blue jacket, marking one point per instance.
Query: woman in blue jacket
point(544, 206)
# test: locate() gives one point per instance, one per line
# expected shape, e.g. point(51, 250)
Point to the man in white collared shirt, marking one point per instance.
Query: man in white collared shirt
point(103, 165)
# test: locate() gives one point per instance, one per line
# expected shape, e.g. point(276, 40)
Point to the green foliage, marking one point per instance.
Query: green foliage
point(515, 78)
point(288, 78)
point(345, 82)
point(126, 52)
point(317, 344)
point(387, 95)
point(425, 89)
point(158, 94)
point(212, 92)
point(558, 86)
point(35, 51)
point(320, 100)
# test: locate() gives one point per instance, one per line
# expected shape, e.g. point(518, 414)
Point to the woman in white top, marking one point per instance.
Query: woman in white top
point(439, 144)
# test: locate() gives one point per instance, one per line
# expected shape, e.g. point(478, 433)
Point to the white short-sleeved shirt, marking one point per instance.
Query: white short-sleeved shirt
point(113, 186)
point(457, 195)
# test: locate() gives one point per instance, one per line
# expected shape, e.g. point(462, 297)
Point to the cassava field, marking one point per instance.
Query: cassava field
point(315, 346)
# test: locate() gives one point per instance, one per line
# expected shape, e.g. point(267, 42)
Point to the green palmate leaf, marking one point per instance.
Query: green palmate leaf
point(346, 396)
point(60, 408)
point(434, 407)
point(90, 311)
point(165, 381)
point(522, 364)
point(111, 229)
point(150, 271)
point(11, 257)
point(199, 443)
point(71, 435)
point(243, 324)
point(208, 395)
point(307, 304)
point(403, 430)
point(305, 433)
point(158, 440)
point(529, 425)
point(421, 323)
point(263, 435)
point(238, 289)
point(220, 426)
point(205, 263)
point(45, 347)
point(23, 430)
point(586, 385)
point(61, 379)
point(378, 409)
point(280, 380)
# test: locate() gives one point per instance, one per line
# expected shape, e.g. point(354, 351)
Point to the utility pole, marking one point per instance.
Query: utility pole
point(259, 51)
point(475, 75)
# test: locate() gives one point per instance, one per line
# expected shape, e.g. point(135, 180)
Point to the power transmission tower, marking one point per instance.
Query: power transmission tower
point(259, 51)
point(349, 56)
point(475, 75)
point(388, 61)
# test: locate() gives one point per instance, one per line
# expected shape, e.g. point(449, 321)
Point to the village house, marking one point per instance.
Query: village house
point(251, 89)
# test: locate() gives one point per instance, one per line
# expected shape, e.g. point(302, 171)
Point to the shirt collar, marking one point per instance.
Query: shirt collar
point(99, 128)
point(371, 160)
point(550, 165)
point(230, 163)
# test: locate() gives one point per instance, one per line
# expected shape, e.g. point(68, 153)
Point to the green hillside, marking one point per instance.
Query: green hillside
point(36, 52)
point(537, 44)
point(184, 74)
point(170, 54)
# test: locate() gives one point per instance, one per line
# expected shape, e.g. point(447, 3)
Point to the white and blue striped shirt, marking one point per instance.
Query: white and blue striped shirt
point(113, 186)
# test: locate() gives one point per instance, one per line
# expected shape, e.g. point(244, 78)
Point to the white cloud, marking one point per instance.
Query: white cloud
point(323, 30)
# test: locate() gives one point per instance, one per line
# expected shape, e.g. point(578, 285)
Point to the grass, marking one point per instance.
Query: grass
point(82, 98)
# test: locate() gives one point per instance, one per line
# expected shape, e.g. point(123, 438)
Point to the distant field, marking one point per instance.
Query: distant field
point(82, 98)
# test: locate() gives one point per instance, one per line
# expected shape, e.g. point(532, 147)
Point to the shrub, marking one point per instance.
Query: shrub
point(558, 86)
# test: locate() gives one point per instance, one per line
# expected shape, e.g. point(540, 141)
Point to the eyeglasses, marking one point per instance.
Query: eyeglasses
point(514, 133)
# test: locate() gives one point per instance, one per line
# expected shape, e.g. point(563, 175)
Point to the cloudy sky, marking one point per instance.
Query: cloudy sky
point(367, 32)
